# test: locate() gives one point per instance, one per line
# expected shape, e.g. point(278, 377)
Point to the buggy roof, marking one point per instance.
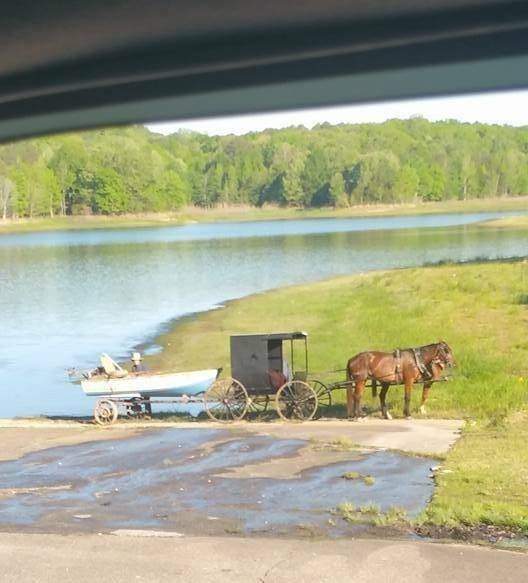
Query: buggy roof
point(275, 336)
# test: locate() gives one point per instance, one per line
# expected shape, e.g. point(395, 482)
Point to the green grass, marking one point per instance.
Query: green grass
point(90, 222)
point(352, 475)
point(477, 308)
point(517, 222)
point(367, 480)
point(395, 516)
point(343, 443)
point(373, 509)
point(249, 213)
point(372, 514)
point(486, 481)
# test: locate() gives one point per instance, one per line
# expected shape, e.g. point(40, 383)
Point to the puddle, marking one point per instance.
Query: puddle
point(179, 479)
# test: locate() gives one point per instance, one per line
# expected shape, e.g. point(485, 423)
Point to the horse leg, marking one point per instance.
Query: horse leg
point(350, 401)
point(425, 395)
point(383, 393)
point(407, 405)
point(358, 392)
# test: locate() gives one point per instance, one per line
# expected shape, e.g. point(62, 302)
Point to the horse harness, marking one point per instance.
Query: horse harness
point(417, 353)
point(424, 371)
point(397, 367)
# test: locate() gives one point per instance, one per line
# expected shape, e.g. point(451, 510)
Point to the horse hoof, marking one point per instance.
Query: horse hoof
point(423, 410)
point(408, 417)
point(387, 415)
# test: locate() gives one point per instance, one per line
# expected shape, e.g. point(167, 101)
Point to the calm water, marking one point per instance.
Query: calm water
point(67, 296)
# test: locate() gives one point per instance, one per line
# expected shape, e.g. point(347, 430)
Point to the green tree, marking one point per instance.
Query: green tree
point(378, 173)
point(287, 165)
point(406, 184)
point(67, 162)
point(168, 193)
point(133, 170)
point(337, 195)
point(433, 188)
point(316, 173)
point(7, 188)
point(109, 195)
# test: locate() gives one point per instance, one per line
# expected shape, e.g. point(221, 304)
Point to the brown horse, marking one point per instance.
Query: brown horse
point(407, 366)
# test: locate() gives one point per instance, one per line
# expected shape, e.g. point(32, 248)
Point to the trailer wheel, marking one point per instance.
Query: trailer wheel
point(105, 412)
point(226, 400)
point(296, 400)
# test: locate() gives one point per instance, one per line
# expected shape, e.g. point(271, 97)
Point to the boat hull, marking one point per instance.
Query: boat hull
point(152, 385)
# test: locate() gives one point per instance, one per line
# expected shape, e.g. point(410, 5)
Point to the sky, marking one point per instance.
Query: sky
point(494, 108)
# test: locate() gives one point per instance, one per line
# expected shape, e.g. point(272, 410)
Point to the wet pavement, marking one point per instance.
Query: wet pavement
point(203, 481)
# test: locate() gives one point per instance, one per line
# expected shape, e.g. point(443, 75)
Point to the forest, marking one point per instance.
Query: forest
point(132, 170)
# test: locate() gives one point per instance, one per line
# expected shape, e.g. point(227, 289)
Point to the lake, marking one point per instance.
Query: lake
point(67, 296)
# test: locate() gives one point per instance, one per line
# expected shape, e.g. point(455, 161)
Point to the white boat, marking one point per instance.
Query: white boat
point(144, 384)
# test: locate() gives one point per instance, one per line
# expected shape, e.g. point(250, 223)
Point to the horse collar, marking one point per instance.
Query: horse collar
point(419, 362)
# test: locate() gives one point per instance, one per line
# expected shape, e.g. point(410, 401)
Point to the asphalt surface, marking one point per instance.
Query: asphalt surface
point(116, 559)
point(429, 436)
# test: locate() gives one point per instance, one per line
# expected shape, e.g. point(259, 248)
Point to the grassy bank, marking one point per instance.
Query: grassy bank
point(248, 213)
point(485, 477)
point(480, 309)
point(517, 222)
point(90, 222)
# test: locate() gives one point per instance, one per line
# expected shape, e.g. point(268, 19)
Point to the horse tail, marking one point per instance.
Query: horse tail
point(374, 388)
point(348, 369)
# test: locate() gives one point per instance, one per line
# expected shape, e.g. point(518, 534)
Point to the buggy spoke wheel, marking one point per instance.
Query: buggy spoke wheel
point(324, 395)
point(134, 410)
point(105, 412)
point(226, 400)
point(296, 400)
point(259, 403)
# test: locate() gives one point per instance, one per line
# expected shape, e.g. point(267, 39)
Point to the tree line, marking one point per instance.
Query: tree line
point(133, 170)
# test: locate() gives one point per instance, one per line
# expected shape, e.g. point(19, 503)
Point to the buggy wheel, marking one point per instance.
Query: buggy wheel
point(226, 400)
point(134, 409)
point(324, 394)
point(105, 412)
point(258, 403)
point(296, 400)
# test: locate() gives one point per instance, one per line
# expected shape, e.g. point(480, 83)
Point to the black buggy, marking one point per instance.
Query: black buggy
point(266, 367)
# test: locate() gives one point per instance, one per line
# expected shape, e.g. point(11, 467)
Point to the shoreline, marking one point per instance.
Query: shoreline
point(158, 340)
point(405, 307)
point(190, 215)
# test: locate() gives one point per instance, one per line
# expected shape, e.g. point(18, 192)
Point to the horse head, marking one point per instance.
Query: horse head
point(444, 354)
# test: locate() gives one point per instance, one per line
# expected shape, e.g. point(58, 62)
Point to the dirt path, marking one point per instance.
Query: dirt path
point(151, 559)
